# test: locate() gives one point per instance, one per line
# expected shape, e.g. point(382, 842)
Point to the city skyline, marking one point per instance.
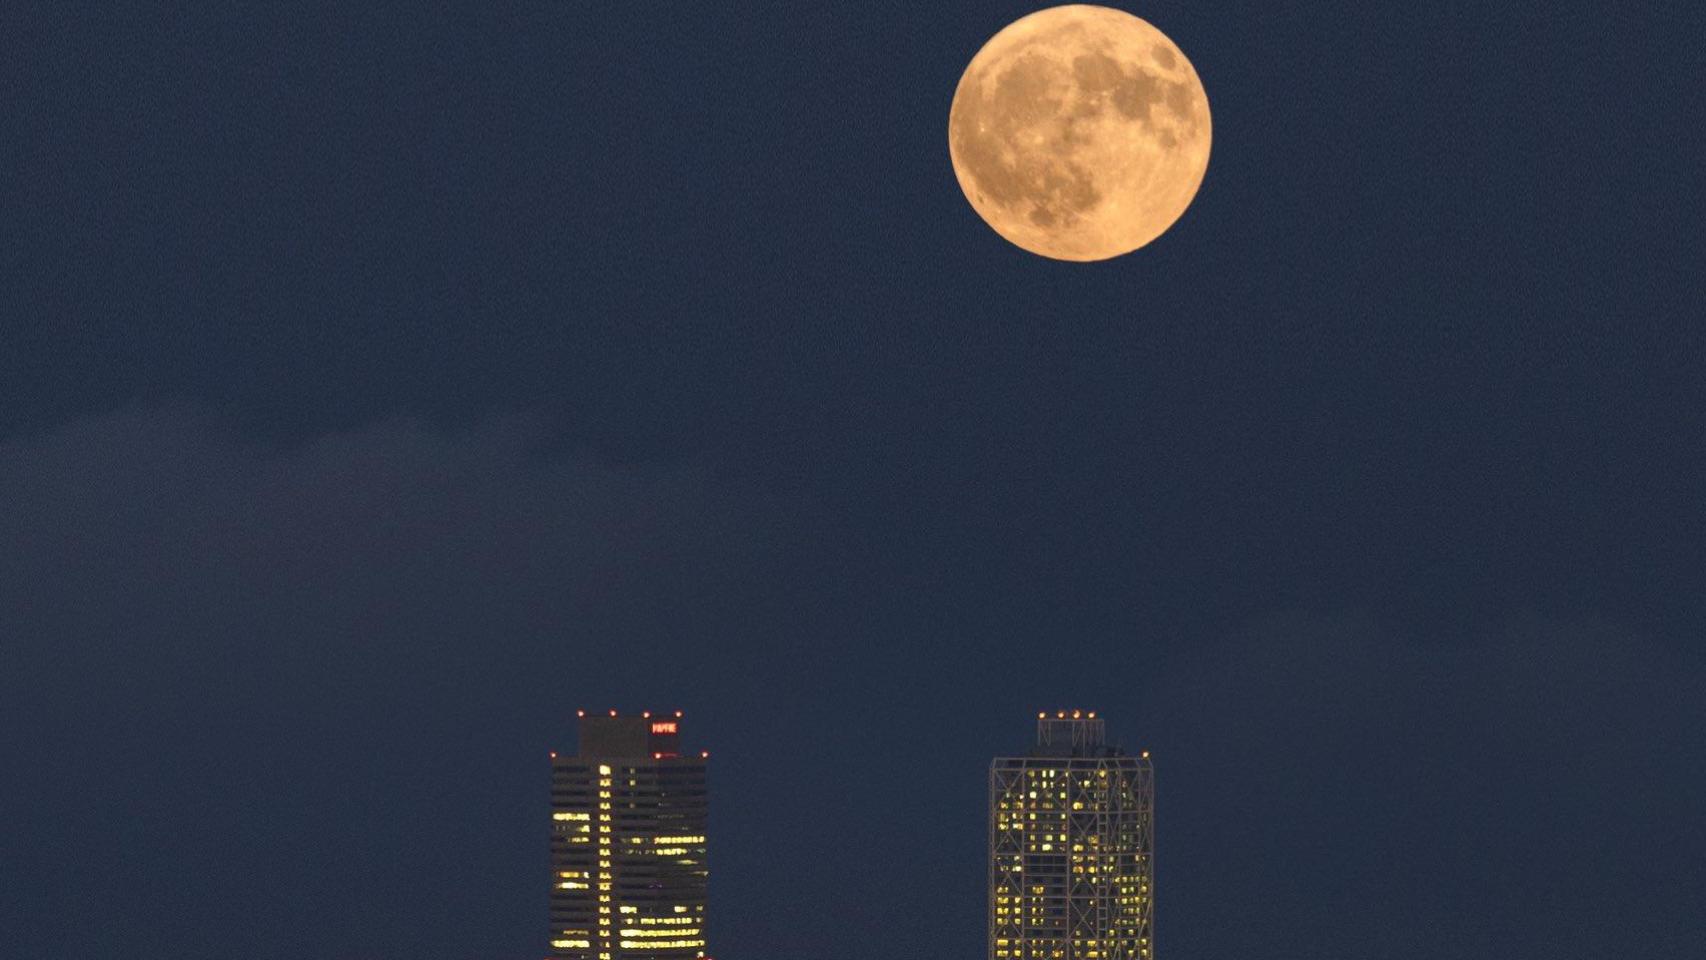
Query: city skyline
point(1071, 864)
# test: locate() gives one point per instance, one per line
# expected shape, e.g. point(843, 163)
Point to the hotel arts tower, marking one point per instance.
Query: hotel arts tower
point(1072, 847)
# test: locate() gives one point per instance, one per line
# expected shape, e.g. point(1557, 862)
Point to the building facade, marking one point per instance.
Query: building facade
point(628, 843)
point(1072, 847)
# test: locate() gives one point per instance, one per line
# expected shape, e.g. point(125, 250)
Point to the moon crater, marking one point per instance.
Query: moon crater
point(1079, 132)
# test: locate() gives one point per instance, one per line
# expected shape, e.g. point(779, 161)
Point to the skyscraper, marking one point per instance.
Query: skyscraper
point(1071, 847)
point(628, 871)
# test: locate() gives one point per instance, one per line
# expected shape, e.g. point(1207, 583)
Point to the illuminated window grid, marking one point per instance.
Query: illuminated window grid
point(1071, 858)
point(629, 859)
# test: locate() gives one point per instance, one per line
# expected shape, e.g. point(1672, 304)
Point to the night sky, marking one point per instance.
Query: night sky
point(380, 383)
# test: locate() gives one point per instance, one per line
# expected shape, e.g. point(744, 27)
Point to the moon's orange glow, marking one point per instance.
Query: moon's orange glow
point(1080, 132)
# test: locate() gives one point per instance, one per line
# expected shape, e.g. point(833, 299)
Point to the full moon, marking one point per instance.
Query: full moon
point(1079, 132)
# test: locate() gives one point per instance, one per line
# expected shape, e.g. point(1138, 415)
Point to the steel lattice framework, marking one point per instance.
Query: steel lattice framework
point(1071, 848)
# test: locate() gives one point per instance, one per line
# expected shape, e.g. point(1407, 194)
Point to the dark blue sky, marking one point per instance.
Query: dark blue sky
point(379, 383)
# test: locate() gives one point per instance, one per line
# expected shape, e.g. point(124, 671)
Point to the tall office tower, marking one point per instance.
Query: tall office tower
point(1071, 847)
point(628, 872)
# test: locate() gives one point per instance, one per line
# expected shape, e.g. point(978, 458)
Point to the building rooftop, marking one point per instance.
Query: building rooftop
point(649, 735)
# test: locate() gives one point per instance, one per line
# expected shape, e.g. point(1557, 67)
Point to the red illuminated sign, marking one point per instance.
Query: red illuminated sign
point(663, 726)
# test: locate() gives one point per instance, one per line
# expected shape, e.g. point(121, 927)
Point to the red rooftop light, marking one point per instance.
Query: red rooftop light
point(678, 714)
point(580, 713)
point(613, 713)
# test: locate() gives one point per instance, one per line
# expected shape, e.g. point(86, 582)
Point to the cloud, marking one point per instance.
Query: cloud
point(161, 530)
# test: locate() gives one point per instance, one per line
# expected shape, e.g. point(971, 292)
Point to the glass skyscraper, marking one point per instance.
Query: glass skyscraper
point(1072, 847)
point(628, 850)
